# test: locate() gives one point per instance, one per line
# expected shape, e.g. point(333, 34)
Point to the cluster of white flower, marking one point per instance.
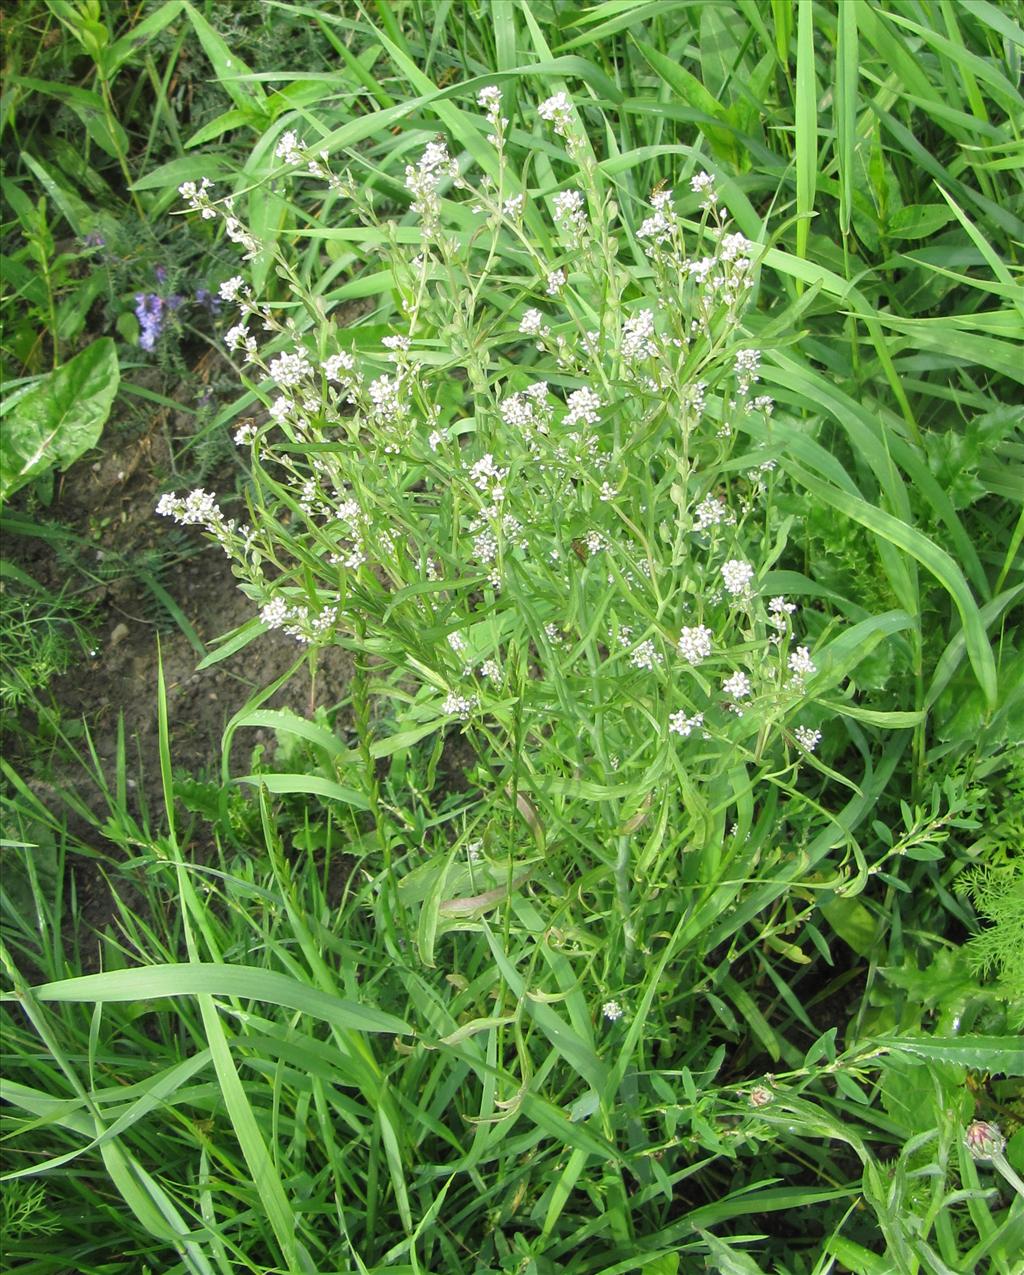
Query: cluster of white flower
point(736, 577)
point(489, 101)
point(778, 609)
point(801, 665)
point(386, 398)
point(712, 512)
point(459, 705)
point(761, 403)
point(571, 216)
point(612, 1010)
point(489, 478)
point(289, 148)
point(299, 622)
point(234, 288)
point(290, 369)
point(555, 282)
point(694, 643)
point(200, 509)
point(423, 180)
point(638, 337)
point(529, 411)
point(737, 685)
point(703, 184)
point(532, 323)
point(198, 199)
point(660, 229)
point(240, 338)
point(746, 368)
point(558, 112)
point(724, 280)
point(682, 725)
point(646, 655)
point(807, 738)
point(583, 406)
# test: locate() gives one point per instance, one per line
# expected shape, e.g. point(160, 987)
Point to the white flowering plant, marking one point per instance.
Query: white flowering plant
point(540, 494)
point(534, 496)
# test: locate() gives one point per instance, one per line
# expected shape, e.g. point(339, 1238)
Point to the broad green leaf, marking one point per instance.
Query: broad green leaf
point(62, 417)
point(919, 221)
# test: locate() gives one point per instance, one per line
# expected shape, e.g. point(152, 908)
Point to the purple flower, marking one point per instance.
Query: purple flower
point(161, 274)
point(149, 310)
point(210, 300)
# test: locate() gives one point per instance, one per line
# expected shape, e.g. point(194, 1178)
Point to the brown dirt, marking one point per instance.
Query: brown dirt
point(110, 503)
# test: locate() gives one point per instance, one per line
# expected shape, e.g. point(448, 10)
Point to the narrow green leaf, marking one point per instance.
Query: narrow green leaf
point(155, 982)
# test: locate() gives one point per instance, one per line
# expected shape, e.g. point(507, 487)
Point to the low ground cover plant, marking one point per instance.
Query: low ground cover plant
point(682, 690)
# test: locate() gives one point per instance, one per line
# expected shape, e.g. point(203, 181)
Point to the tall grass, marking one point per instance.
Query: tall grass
point(430, 998)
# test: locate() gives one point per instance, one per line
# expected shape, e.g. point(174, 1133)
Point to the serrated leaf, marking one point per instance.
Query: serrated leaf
point(1001, 1054)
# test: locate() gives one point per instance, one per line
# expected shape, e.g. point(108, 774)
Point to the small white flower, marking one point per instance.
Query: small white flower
point(280, 409)
point(288, 370)
point(459, 705)
point(801, 664)
point(275, 613)
point(289, 148)
point(680, 724)
point(584, 406)
point(746, 367)
point(695, 643)
point(710, 513)
point(230, 289)
point(646, 655)
point(337, 365)
point(807, 738)
point(198, 197)
point(612, 1010)
point(246, 433)
point(513, 207)
point(555, 282)
point(638, 337)
point(736, 576)
point(737, 686)
point(704, 184)
point(238, 338)
point(557, 111)
point(779, 607)
point(531, 322)
point(491, 669)
point(489, 99)
point(486, 476)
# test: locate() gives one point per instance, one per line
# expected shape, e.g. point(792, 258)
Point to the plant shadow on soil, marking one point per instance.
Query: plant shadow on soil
point(109, 507)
